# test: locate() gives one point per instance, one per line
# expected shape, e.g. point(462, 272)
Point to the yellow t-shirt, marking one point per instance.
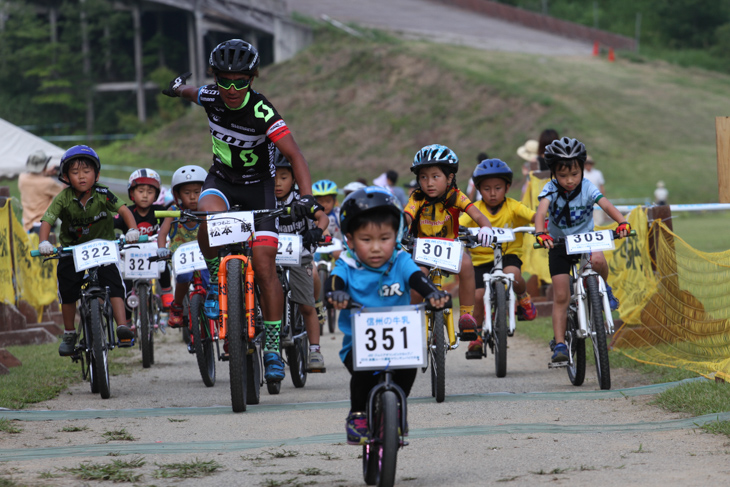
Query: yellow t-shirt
point(437, 221)
point(513, 214)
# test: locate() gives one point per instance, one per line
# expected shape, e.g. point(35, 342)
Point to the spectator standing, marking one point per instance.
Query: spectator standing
point(528, 153)
point(471, 189)
point(546, 138)
point(37, 190)
point(388, 181)
point(594, 175)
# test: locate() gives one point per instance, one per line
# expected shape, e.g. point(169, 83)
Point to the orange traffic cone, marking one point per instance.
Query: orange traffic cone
point(611, 55)
point(596, 49)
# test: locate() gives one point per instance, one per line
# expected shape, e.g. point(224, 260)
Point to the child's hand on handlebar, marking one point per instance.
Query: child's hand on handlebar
point(485, 236)
point(544, 239)
point(623, 229)
point(438, 299)
point(46, 248)
point(338, 299)
point(163, 253)
point(132, 235)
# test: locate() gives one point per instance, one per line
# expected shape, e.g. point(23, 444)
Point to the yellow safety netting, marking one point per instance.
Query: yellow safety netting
point(675, 305)
point(22, 276)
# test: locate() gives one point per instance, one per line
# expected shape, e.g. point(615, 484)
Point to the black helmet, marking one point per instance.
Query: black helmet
point(367, 199)
point(435, 155)
point(565, 149)
point(234, 56)
point(492, 168)
point(280, 160)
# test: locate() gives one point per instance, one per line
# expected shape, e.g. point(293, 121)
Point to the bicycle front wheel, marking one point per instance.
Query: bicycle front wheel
point(202, 341)
point(598, 336)
point(145, 334)
point(577, 346)
point(437, 351)
point(499, 305)
point(380, 455)
point(297, 353)
point(99, 360)
point(237, 337)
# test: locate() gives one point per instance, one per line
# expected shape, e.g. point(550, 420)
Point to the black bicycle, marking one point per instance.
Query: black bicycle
point(96, 328)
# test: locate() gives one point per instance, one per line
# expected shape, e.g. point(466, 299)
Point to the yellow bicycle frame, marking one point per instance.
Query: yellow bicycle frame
point(435, 276)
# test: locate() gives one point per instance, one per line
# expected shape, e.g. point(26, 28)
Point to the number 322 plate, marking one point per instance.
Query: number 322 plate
point(95, 253)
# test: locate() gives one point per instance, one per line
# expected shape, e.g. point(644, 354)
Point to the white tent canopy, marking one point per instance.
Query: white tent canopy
point(17, 144)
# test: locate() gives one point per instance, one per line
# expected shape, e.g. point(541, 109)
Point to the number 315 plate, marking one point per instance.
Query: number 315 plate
point(393, 337)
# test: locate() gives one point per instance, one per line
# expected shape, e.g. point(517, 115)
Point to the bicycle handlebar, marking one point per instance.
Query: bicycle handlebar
point(65, 250)
point(198, 215)
point(561, 240)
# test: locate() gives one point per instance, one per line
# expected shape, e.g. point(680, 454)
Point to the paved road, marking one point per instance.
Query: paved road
point(531, 427)
point(422, 19)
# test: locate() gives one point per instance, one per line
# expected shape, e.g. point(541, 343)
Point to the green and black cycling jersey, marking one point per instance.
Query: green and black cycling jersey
point(243, 138)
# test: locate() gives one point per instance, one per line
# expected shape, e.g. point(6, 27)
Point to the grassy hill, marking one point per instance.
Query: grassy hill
point(358, 107)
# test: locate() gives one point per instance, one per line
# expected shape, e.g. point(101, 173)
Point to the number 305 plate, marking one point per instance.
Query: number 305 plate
point(393, 337)
point(95, 253)
point(585, 242)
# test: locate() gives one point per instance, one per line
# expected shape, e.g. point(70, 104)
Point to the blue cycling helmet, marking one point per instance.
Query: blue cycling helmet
point(324, 187)
point(77, 152)
point(435, 155)
point(492, 168)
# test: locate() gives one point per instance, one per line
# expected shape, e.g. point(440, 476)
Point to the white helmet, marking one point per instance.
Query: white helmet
point(144, 176)
point(353, 186)
point(188, 174)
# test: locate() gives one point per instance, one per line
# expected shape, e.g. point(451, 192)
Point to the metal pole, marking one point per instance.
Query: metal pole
point(595, 15)
point(87, 73)
point(637, 34)
point(138, 68)
point(545, 7)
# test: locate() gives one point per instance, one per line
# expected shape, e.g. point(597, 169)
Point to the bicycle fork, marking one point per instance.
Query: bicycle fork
point(582, 302)
point(499, 278)
point(248, 295)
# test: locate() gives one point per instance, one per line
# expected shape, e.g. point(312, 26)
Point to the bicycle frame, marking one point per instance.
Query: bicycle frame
point(92, 290)
point(387, 384)
point(436, 275)
point(579, 297)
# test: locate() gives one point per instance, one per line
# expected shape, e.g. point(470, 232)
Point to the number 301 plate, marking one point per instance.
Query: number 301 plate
point(591, 241)
point(443, 253)
point(393, 337)
point(95, 253)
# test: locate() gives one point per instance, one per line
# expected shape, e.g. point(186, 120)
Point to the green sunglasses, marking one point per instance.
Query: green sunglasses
point(226, 83)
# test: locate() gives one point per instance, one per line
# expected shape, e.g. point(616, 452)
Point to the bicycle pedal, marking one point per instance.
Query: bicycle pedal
point(321, 370)
point(468, 336)
point(224, 357)
point(557, 365)
point(474, 355)
point(286, 342)
point(403, 443)
point(126, 343)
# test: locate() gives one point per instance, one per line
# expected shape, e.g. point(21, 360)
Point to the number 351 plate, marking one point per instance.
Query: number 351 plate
point(393, 337)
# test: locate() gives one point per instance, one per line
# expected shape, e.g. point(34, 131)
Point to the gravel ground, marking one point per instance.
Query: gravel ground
point(476, 437)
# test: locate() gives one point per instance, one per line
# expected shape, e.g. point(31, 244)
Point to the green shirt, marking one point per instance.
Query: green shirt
point(81, 223)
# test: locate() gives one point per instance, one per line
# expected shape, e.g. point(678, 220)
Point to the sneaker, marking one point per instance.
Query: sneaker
point(68, 344)
point(176, 316)
point(357, 429)
point(125, 335)
point(167, 300)
point(560, 353)
point(467, 328)
point(274, 367)
point(315, 363)
point(526, 311)
point(612, 301)
point(210, 308)
point(474, 351)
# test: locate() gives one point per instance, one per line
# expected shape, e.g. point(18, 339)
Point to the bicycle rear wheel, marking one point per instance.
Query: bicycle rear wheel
point(600, 347)
point(437, 351)
point(380, 454)
point(577, 346)
point(186, 320)
point(254, 365)
point(332, 319)
point(296, 355)
point(99, 360)
point(236, 336)
point(145, 335)
point(202, 340)
point(499, 305)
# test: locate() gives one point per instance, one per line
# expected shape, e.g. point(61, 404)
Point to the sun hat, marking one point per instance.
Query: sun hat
point(37, 161)
point(589, 160)
point(528, 151)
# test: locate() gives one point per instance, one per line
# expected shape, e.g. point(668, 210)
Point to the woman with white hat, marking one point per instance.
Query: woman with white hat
point(36, 190)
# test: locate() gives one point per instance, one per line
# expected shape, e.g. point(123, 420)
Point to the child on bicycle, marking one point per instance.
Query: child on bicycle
point(325, 192)
point(301, 277)
point(143, 189)
point(373, 271)
point(433, 211)
point(86, 210)
point(568, 201)
point(187, 182)
point(492, 179)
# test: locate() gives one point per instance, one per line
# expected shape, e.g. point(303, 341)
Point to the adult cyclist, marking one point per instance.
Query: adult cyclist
point(246, 129)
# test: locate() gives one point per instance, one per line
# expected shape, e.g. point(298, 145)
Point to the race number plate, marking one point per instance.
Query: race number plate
point(188, 258)
point(592, 241)
point(95, 253)
point(501, 235)
point(438, 252)
point(228, 228)
point(137, 264)
point(393, 337)
point(290, 249)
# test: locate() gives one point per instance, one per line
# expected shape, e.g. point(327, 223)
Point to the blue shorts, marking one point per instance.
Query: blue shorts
point(188, 277)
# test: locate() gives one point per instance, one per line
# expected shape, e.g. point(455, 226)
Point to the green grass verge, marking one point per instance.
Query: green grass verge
point(44, 374)
point(697, 399)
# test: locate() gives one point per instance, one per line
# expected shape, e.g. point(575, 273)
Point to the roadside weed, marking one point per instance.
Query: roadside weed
point(118, 435)
point(187, 470)
point(7, 426)
point(117, 471)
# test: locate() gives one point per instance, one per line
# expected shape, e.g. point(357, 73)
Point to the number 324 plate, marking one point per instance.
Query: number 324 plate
point(393, 337)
